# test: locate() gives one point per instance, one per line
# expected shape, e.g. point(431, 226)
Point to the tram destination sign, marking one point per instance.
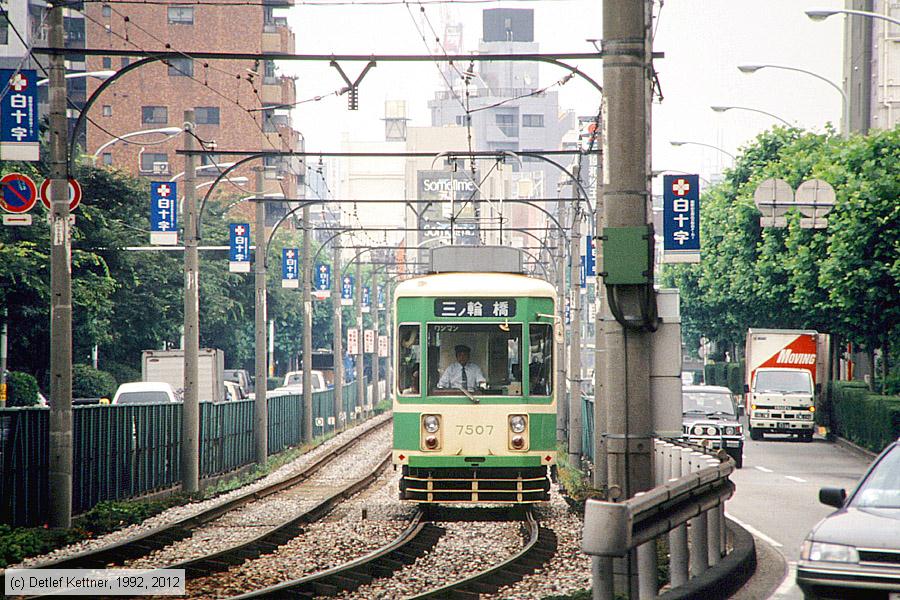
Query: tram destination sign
point(475, 307)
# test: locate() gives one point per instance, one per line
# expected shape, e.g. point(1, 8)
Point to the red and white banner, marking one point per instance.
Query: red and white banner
point(353, 341)
point(382, 346)
point(369, 341)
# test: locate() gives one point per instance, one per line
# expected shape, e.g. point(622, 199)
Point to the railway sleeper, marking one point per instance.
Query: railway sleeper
point(323, 588)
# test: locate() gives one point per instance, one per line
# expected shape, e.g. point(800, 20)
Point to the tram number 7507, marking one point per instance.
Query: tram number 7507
point(474, 429)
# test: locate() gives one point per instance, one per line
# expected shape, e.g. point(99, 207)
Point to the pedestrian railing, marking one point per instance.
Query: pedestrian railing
point(686, 509)
point(124, 451)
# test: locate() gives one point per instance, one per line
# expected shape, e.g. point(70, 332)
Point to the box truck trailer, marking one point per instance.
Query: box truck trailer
point(168, 366)
point(785, 375)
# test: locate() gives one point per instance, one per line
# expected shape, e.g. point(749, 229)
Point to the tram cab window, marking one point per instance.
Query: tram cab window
point(540, 367)
point(492, 353)
point(408, 353)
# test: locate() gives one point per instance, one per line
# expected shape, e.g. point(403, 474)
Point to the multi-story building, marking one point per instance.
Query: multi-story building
point(872, 66)
point(237, 104)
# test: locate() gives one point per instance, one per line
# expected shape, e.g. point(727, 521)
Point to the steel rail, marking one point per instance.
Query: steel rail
point(144, 543)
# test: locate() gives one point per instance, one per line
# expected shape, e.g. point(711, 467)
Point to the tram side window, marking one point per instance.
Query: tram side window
point(540, 367)
point(408, 360)
point(483, 358)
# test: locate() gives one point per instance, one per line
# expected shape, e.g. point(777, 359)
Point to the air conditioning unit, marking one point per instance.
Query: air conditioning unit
point(161, 168)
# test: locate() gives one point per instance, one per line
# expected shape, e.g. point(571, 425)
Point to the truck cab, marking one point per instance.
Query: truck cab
point(782, 400)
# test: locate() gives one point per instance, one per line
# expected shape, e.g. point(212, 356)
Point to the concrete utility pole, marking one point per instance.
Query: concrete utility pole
point(575, 425)
point(3, 331)
point(562, 404)
point(376, 361)
point(338, 335)
point(190, 420)
point(260, 404)
point(307, 330)
point(61, 287)
point(360, 357)
point(388, 329)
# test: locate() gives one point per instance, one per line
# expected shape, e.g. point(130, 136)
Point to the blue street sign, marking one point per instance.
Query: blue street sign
point(380, 296)
point(582, 272)
point(323, 277)
point(366, 296)
point(347, 287)
point(163, 213)
point(590, 253)
point(290, 266)
point(19, 126)
point(681, 218)
point(239, 247)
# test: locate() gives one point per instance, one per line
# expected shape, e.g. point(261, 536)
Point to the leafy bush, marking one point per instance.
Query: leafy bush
point(22, 389)
point(122, 373)
point(866, 419)
point(17, 543)
point(88, 382)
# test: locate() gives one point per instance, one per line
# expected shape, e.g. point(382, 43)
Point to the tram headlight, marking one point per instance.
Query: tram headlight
point(517, 442)
point(431, 423)
point(517, 423)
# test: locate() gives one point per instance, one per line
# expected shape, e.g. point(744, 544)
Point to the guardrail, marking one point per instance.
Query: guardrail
point(123, 451)
point(686, 508)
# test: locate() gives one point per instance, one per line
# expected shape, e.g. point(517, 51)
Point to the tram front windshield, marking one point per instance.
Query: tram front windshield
point(492, 353)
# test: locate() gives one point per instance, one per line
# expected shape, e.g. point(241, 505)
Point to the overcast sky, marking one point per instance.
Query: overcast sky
point(703, 41)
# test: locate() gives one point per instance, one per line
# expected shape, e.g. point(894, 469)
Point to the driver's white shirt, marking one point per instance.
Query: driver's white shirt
point(452, 377)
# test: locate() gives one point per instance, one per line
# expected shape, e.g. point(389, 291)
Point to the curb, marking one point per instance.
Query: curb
point(726, 577)
point(848, 445)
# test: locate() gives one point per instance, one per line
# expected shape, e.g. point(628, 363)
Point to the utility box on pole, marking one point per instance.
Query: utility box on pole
point(665, 366)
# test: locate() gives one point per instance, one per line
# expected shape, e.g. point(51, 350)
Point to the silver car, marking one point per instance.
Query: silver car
point(710, 419)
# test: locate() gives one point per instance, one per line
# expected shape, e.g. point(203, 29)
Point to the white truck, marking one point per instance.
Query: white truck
point(786, 372)
point(168, 366)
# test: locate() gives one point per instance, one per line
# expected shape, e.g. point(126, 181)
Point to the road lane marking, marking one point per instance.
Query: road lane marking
point(754, 531)
point(763, 469)
point(789, 584)
point(797, 479)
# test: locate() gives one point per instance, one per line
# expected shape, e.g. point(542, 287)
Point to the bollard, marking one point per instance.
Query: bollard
point(647, 571)
point(698, 527)
point(678, 546)
point(602, 576)
point(714, 531)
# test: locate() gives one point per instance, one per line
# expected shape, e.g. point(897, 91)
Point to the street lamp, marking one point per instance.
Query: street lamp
point(103, 75)
point(721, 109)
point(845, 103)
point(168, 131)
point(822, 14)
point(725, 152)
point(211, 166)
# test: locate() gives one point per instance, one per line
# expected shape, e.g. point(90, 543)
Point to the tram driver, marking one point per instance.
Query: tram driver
point(462, 374)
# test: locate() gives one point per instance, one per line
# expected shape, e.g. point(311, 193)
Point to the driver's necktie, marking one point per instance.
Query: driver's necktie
point(465, 380)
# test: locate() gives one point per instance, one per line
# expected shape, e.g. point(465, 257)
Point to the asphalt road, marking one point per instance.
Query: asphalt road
point(777, 500)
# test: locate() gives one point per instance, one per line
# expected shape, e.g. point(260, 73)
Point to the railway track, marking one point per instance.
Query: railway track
point(148, 542)
point(419, 538)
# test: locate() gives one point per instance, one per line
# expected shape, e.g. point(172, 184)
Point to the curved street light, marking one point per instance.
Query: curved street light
point(721, 109)
point(102, 75)
point(167, 131)
point(822, 14)
point(845, 102)
point(725, 152)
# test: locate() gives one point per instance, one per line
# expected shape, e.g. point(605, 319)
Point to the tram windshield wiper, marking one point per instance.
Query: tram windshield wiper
point(468, 395)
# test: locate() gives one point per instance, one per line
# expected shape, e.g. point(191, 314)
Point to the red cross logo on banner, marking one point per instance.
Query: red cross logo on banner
point(681, 187)
point(164, 190)
point(290, 254)
point(239, 230)
point(19, 82)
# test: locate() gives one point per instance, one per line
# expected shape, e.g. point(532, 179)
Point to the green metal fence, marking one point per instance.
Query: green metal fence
point(127, 451)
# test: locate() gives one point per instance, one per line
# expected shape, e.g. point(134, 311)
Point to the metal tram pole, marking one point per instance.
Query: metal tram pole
point(388, 330)
point(260, 403)
point(361, 355)
point(307, 330)
point(376, 360)
point(574, 378)
point(562, 413)
point(190, 420)
point(338, 335)
point(61, 287)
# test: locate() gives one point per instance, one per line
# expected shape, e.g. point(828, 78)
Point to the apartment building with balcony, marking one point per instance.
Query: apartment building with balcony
point(238, 104)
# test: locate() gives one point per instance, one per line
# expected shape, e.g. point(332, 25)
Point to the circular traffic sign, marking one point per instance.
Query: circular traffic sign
point(17, 193)
point(74, 194)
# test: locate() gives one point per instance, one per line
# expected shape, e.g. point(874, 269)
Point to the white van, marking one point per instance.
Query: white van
point(145, 392)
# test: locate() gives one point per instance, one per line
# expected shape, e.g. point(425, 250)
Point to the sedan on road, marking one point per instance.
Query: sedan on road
point(855, 551)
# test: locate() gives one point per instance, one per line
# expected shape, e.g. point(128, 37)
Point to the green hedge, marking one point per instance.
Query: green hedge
point(88, 382)
point(730, 375)
point(22, 389)
point(866, 419)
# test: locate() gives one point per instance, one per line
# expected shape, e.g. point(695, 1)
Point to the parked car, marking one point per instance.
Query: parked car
point(855, 551)
point(234, 392)
point(710, 419)
point(293, 383)
point(145, 392)
point(240, 377)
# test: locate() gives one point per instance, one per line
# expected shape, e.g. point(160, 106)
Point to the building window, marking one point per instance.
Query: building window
point(181, 67)
point(107, 62)
point(107, 110)
point(181, 15)
point(209, 161)
point(106, 10)
point(507, 124)
point(154, 115)
point(206, 115)
point(269, 76)
point(126, 61)
point(155, 162)
point(463, 120)
point(107, 159)
point(4, 29)
point(532, 120)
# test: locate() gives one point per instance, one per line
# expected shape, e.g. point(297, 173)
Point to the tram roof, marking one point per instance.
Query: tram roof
point(460, 285)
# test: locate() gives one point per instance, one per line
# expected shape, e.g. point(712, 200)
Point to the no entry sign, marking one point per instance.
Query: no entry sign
point(74, 194)
point(18, 193)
